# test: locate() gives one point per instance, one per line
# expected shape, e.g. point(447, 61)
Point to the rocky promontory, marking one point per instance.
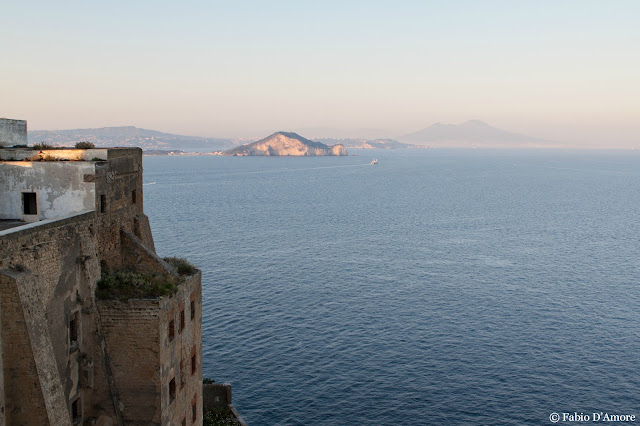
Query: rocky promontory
point(286, 144)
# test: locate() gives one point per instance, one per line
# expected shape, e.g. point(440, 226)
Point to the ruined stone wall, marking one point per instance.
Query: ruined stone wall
point(146, 359)
point(13, 132)
point(119, 203)
point(2, 403)
point(131, 331)
point(24, 399)
point(177, 353)
point(49, 272)
point(111, 361)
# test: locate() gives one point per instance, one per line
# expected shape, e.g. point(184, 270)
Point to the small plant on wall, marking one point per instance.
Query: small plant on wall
point(85, 145)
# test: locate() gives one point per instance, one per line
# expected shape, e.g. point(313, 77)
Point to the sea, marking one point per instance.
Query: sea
point(479, 287)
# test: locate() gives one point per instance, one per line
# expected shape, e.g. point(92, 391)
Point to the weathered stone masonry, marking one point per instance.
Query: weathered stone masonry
point(68, 358)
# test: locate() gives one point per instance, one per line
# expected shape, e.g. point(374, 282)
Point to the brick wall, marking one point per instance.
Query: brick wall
point(179, 352)
point(59, 281)
point(131, 332)
point(118, 360)
point(24, 401)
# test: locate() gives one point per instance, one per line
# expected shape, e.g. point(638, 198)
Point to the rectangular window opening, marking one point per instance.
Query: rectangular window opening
point(74, 331)
point(184, 422)
point(194, 411)
point(134, 197)
point(172, 330)
point(181, 374)
point(103, 203)
point(76, 411)
point(172, 390)
point(182, 320)
point(29, 203)
point(194, 365)
point(193, 309)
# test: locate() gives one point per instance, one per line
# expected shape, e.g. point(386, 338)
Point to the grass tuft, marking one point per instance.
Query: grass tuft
point(181, 265)
point(125, 284)
point(41, 146)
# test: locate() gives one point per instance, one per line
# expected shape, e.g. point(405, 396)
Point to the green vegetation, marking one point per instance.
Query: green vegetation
point(181, 265)
point(85, 145)
point(97, 159)
point(218, 417)
point(125, 284)
point(207, 380)
point(41, 146)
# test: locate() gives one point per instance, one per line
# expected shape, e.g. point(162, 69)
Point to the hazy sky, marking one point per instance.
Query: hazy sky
point(563, 70)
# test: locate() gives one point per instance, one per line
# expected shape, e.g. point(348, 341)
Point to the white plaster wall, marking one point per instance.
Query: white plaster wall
point(13, 132)
point(59, 186)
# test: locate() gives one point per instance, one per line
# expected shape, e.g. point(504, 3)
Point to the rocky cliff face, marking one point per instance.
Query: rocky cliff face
point(287, 144)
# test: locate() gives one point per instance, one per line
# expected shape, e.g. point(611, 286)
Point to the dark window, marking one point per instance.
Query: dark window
point(29, 203)
point(182, 320)
point(193, 309)
point(76, 412)
point(181, 374)
point(172, 330)
point(103, 203)
point(184, 422)
point(194, 365)
point(74, 329)
point(134, 197)
point(194, 409)
point(172, 390)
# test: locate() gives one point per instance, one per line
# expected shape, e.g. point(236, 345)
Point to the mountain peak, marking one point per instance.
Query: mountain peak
point(471, 133)
point(474, 123)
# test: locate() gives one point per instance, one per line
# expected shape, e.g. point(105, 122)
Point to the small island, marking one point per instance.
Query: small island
point(286, 144)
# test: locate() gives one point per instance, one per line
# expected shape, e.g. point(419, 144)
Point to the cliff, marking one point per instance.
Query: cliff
point(286, 144)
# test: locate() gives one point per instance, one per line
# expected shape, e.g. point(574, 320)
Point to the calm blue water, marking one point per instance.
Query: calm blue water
point(438, 287)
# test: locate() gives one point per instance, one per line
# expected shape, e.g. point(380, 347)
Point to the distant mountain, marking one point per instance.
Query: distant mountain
point(286, 144)
point(471, 133)
point(317, 133)
point(369, 144)
point(129, 136)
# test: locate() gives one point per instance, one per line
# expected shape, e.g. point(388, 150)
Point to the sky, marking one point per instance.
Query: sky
point(564, 70)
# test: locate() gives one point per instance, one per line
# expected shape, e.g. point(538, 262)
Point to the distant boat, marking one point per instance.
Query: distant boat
point(150, 183)
point(374, 161)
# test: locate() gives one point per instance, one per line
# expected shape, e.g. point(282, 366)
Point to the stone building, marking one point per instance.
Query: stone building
point(13, 132)
point(69, 357)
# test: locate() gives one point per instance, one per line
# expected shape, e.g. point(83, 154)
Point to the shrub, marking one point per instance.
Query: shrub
point(208, 380)
point(19, 268)
point(181, 265)
point(97, 159)
point(85, 145)
point(40, 146)
point(125, 284)
point(218, 417)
